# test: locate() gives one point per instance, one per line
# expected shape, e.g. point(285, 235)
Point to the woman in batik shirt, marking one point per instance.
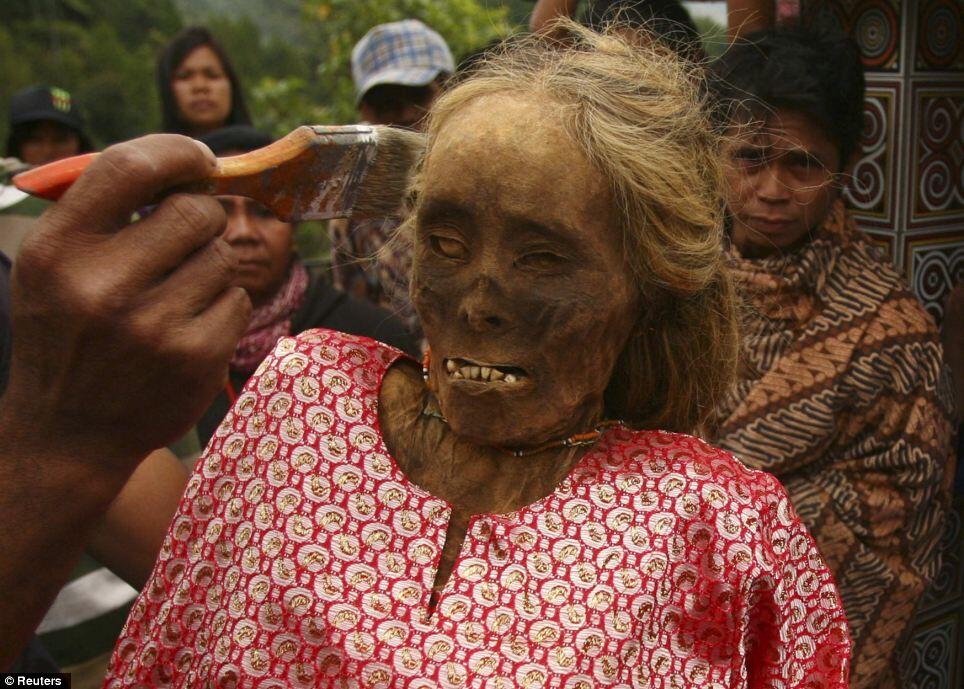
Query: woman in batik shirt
point(842, 393)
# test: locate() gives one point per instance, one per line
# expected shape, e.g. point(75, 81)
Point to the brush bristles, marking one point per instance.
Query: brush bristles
point(386, 182)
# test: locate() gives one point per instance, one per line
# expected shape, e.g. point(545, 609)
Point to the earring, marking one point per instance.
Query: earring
point(426, 363)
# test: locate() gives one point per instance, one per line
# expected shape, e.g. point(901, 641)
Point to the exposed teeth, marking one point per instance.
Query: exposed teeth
point(469, 371)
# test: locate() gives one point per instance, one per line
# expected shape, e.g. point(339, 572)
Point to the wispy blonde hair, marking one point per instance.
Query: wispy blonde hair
point(639, 113)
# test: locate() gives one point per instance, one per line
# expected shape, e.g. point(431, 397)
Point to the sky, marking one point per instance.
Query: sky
point(716, 10)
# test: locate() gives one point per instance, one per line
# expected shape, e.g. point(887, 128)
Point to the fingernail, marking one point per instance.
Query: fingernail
point(208, 153)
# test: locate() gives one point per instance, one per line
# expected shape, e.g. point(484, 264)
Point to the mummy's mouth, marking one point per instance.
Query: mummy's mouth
point(467, 369)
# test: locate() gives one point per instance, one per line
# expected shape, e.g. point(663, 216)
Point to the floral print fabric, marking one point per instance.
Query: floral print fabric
point(301, 556)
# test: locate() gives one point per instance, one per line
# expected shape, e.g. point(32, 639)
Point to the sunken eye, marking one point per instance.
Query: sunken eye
point(541, 260)
point(448, 247)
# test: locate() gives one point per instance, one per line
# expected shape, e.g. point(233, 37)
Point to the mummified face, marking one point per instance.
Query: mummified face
point(519, 279)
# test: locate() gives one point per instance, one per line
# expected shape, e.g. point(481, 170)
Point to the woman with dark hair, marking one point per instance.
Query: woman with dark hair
point(199, 89)
point(841, 394)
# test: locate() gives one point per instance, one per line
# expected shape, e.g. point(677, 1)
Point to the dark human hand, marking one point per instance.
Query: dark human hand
point(122, 332)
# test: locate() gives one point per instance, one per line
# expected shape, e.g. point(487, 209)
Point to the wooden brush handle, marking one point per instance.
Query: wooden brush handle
point(241, 175)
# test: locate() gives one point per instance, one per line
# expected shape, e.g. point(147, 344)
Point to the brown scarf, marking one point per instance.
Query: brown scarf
point(271, 321)
point(843, 396)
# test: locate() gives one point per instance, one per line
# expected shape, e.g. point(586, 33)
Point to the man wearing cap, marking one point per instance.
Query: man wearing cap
point(398, 69)
point(45, 125)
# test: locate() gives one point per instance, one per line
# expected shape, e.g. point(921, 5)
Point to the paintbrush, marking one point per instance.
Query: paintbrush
point(313, 173)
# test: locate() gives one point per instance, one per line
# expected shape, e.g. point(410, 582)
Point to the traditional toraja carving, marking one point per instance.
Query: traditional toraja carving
point(874, 24)
point(931, 655)
point(938, 194)
point(934, 262)
point(939, 36)
point(871, 191)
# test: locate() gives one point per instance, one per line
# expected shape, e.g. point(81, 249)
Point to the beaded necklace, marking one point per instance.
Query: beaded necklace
point(575, 440)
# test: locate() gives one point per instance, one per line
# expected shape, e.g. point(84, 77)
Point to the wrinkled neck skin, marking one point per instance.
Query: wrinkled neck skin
point(473, 479)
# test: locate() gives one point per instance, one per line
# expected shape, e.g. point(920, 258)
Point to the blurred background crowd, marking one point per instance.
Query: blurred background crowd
point(79, 75)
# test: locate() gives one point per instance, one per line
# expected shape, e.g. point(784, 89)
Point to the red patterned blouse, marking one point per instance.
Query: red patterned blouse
point(301, 556)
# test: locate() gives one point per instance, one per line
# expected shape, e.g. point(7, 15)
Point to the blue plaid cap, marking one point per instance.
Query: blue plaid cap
point(406, 52)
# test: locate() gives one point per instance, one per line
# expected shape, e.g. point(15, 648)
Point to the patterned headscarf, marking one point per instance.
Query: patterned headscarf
point(271, 320)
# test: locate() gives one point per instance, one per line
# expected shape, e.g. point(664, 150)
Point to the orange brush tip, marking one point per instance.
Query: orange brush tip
point(50, 181)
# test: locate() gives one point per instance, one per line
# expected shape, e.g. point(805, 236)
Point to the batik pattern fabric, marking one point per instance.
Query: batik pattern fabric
point(301, 556)
point(843, 397)
point(368, 263)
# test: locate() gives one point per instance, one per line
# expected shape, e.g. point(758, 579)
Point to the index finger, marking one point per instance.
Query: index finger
point(128, 176)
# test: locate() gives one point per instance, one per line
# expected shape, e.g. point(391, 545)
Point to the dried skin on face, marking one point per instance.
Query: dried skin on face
point(519, 279)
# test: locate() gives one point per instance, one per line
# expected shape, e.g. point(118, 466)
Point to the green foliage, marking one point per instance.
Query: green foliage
point(714, 36)
point(518, 10)
point(102, 51)
point(283, 104)
point(293, 56)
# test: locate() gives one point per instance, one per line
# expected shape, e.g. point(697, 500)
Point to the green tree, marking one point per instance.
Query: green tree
point(713, 34)
point(102, 51)
point(518, 10)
